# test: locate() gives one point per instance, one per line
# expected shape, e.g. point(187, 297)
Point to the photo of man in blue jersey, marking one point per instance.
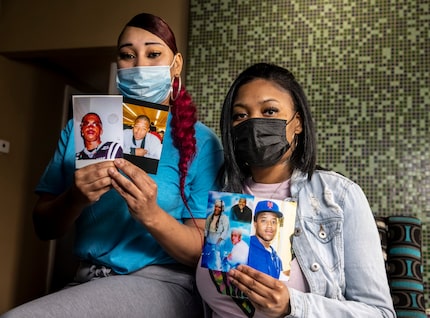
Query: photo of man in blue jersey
point(262, 255)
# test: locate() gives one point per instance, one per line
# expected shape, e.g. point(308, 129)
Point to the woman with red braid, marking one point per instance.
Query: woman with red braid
point(139, 236)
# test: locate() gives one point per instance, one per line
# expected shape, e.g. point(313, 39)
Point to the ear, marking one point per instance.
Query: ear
point(177, 65)
point(298, 123)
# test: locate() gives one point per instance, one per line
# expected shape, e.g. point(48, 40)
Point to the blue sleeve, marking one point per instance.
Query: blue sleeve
point(58, 175)
point(206, 165)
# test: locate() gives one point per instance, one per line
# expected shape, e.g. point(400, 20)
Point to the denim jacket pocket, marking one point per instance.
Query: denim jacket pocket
point(325, 239)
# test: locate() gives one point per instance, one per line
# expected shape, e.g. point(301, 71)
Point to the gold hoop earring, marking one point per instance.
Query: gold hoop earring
point(179, 88)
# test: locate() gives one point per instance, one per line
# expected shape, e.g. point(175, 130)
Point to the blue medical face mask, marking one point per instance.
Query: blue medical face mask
point(148, 83)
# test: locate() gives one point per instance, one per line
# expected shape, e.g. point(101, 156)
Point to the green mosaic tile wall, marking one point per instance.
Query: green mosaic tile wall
point(365, 68)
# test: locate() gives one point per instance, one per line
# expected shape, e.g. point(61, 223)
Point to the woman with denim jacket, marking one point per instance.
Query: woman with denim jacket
point(270, 151)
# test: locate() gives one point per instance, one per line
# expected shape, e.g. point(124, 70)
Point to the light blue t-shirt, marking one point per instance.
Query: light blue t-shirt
point(106, 234)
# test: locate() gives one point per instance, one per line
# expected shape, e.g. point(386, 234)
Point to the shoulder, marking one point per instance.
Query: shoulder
point(331, 175)
point(112, 145)
point(340, 187)
point(109, 143)
point(206, 140)
point(204, 133)
point(243, 244)
point(320, 177)
point(68, 129)
point(153, 137)
point(69, 125)
point(322, 180)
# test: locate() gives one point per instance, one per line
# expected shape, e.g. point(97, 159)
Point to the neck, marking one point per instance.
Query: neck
point(91, 145)
point(265, 243)
point(273, 174)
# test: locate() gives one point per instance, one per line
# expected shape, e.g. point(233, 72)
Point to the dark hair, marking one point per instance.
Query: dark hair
point(183, 109)
point(304, 155)
point(155, 25)
point(143, 117)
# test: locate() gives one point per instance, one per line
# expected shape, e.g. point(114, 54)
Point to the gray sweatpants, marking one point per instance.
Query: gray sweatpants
point(154, 291)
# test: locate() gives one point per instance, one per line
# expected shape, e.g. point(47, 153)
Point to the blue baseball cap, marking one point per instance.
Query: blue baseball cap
point(267, 206)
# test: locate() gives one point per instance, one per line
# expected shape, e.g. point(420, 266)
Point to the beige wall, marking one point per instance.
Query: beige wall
point(31, 98)
point(47, 24)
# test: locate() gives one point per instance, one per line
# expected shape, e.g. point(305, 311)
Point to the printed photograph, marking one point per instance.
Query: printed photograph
point(144, 127)
point(97, 128)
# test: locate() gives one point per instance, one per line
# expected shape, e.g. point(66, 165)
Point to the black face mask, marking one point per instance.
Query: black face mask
point(260, 142)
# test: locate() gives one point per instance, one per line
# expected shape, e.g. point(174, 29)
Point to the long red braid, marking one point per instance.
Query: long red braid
point(184, 116)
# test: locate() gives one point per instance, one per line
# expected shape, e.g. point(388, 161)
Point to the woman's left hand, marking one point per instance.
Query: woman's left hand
point(267, 294)
point(138, 190)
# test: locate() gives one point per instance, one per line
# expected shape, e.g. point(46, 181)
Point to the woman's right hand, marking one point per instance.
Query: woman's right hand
point(92, 181)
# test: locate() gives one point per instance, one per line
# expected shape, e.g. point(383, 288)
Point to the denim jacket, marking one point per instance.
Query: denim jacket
point(337, 245)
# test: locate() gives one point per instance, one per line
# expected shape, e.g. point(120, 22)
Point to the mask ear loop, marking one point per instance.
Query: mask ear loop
point(179, 88)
